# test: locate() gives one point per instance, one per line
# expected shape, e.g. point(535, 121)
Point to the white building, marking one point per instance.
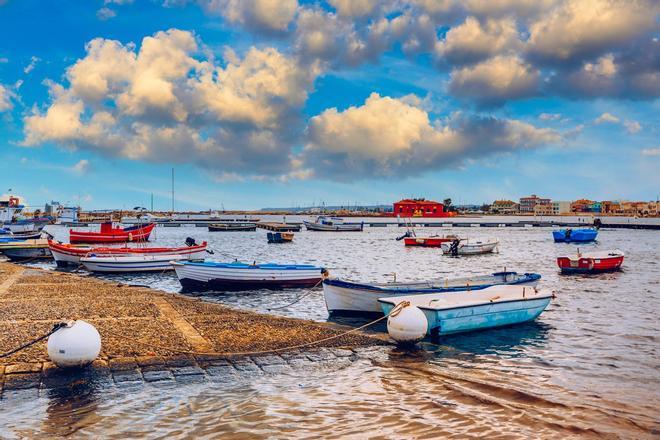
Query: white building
point(561, 207)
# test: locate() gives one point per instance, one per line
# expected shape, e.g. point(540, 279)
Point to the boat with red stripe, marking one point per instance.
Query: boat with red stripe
point(592, 262)
point(109, 234)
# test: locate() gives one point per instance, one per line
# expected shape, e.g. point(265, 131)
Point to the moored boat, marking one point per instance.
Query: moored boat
point(591, 262)
point(218, 227)
point(26, 249)
point(333, 224)
point(211, 275)
point(349, 297)
point(469, 246)
point(131, 263)
point(569, 235)
point(279, 237)
point(108, 234)
point(432, 241)
point(71, 254)
point(475, 310)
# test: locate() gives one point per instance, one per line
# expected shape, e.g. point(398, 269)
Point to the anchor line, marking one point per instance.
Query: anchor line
point(309, 292)
point(55, 328)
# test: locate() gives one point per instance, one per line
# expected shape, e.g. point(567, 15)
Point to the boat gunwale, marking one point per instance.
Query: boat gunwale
point(438, 309)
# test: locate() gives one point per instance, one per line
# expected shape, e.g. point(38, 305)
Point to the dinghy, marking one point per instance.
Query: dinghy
point(131, 263)
point(218, 227)
point(349, 297)
point(469, 246)
point(475, 310)
point(26, 249)
point(108, 234)
point(592, 262)
point(211, 275)
point(432, 241)
point(334, 224)
point(575, 235)
point(71, 254)
point(280, 237)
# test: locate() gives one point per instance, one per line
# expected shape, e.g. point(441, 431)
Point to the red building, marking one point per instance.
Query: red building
point(419, 208)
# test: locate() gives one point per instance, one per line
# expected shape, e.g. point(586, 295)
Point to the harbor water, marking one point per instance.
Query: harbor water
point(589, 366)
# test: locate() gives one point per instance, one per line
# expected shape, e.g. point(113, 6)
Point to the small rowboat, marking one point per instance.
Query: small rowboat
point(217, 227)
point(333, 224)
point(468, 311)
point(71, 254)
point(211, 275)
point(433, 241)
point(469, 246)
point(575, 235)
point(131, 263)
point(26, 249)
point(280, 237)
point(108, 234)
point(592, 262)
point(349, 297)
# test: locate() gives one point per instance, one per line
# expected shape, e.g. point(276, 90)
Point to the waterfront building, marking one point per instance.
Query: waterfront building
point(527, 204)
point(582, 205)
point(560, 207)
point(504, 207)
point(419, 208)
point(543, 209)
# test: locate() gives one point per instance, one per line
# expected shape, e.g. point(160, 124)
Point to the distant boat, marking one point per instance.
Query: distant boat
point(218, 227)
point(469, 246)
point(347, 296)
point(432, 241)
point(26, 249)
point(145, 219)
point(591, 262)
point(279, 237)
point(335, 224)
point(475, 310)
point(575, 235)
point(71, 254)
point(10, 236)
point(108, 234)
point(211, 275)
point(132, 262)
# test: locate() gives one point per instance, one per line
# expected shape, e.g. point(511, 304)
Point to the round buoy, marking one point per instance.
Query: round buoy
point(409, 325)
point(75, 345)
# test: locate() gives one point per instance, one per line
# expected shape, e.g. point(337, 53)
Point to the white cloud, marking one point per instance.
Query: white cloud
point(354, 8)
point(6, 97)
point(105, 13)
point(81, 167)
point(650, 152)
point(632, 127)
point(257, 15)
point(606, 117)
point(33, 62)
point(550, 116)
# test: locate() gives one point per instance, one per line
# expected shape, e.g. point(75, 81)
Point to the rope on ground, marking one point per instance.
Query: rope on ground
point(309, 292)
point(55, 328)
point(395, 311)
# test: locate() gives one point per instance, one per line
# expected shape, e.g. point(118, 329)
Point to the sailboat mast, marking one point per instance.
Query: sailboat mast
point(172, 190)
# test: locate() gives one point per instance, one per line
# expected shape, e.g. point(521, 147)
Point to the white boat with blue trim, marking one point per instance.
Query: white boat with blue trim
point(131, 263)
point(212, 275)
point(333, 224)
point(467, 311)
point(349, 297)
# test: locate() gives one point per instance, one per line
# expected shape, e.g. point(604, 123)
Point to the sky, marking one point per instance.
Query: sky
point(267, 103)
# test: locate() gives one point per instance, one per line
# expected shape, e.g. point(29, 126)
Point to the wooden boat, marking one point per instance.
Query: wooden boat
point(469, 246)
point(26, 249)
point(334, 224)
point(108, 234)
point(11, 237)
point(131, 263)
point(475, 310)
point(211, 275)
point(432, 241)
point(71, 254)
point(280, 237)
point(217, 227)
point(575, 235)
point(591, 262)
point(349, 297)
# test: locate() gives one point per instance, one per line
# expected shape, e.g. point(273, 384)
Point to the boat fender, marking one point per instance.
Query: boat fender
point(130, 236)
point(74, 345)
point(408, 325)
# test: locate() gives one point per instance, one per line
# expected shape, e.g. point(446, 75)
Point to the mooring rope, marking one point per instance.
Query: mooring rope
point(309, 292)
point(55, 328)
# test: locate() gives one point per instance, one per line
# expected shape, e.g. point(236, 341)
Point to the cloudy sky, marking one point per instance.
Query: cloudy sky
point(283, 103)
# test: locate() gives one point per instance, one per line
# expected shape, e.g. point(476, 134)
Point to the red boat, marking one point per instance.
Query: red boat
point(428, 241)
point(108, 234)
point(591, 263)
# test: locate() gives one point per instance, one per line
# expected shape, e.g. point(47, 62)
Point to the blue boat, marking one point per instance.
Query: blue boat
point(467, 311)
point(575, 235)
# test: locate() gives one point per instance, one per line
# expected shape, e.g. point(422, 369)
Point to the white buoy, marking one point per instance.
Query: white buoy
point(75, 345)
point(409, 325)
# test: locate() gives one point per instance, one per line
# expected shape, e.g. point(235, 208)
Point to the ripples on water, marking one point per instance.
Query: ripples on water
point(587, 366)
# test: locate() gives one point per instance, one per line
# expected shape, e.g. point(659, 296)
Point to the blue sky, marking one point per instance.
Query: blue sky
point(261, 103)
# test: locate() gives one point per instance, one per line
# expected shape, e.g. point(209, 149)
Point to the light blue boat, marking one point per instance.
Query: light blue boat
point(467, 311)
point(575, 235)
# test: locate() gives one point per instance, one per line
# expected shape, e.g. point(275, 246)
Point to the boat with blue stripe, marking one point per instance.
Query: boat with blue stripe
point(569, 235)
point(132, 262)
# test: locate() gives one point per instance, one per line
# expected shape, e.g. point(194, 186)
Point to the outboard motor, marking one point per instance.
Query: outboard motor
point(453, 249)
point(597, 223)
point(190, 242)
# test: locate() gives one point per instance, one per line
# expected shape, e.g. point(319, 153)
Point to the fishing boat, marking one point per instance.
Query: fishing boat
point(217, 227)
point(432, 241)
point(335, 224)
point(592, 262)
point(469, 246)
point(211, 275)
point(71, 254)
point(131, 263)
point(280, 237)
point(10, 236)
point(583, 235)
point(475, 310)
point(349, 297)
point(108, 234)
point(26, 249)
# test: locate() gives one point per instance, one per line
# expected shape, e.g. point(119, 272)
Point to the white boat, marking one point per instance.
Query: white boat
point(349, 297)
point(334, 224)
point(475, 310)
point(211, 275)
point(469, 246)
point(131, 263)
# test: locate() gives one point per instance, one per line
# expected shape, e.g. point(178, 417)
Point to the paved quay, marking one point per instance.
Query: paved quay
point(152, 336)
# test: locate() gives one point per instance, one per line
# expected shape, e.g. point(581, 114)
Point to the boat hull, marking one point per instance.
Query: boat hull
point(470, 248)
point(343, 297)
point(589, 264)
point(575, 236)
point(28, 253)
point(133, 234)
point(426, 241)
point(232, 228)
point(130, 263)
point(332, 228)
